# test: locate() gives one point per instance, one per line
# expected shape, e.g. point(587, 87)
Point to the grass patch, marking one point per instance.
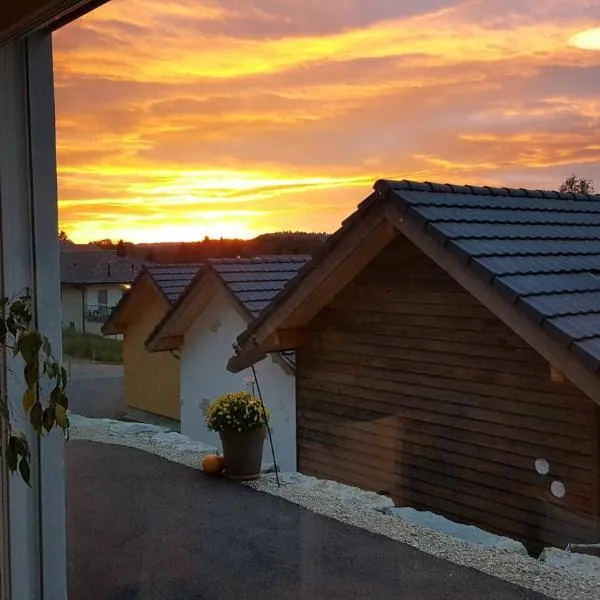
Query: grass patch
point(88, 346)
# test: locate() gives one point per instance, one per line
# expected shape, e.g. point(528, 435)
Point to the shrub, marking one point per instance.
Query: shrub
point(88, 346)
point(237, 411)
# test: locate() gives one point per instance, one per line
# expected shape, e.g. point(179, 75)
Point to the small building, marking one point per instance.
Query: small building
point(448, 354)
point(151, 379)
point(201, 327)
point(92, 283)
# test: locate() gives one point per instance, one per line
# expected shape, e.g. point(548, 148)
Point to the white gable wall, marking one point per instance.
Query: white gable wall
point(114, 293)
point(207, 347)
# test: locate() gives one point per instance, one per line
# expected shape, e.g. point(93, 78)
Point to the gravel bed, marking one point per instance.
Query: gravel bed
point(354, 507)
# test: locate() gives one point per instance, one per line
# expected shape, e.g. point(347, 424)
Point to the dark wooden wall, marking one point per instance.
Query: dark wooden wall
point(407, 385)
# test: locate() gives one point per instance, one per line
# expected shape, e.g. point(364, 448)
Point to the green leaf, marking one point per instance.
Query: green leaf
point(63, 401)
point(29, 345)
point(36, 416)
point(54, 369)
point(11, 325)
point(61, 417)
point(63, 375)
point(49, 417)
point(28, 399)
point(22, 445)
point(18, 307)
point(32, 372)
point(11, 455)
point(55, 394)
point(25, 471)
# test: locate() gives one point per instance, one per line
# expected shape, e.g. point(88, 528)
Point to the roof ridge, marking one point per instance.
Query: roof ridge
point(192, 265)
point(382, 186)
point(258, 259)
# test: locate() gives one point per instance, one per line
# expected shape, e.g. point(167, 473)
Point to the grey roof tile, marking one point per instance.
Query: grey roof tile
point(505, 247)
point(527, 284)
point(173, 279)
point(551, 305)
point(77, 264)
point(97, 267)
point(116, 269)
point(256, 281)
point(505, 215)
point(576, 327)
point(512, 231)
point(588, 350)
point(516, 265)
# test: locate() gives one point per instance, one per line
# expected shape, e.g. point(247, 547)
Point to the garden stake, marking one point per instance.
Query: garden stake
point(268, 428)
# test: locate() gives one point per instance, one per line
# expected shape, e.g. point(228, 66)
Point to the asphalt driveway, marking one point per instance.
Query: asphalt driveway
point(95, 389)
point(143, 528)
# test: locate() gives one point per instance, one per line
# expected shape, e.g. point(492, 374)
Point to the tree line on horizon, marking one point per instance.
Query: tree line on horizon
point(281, 242)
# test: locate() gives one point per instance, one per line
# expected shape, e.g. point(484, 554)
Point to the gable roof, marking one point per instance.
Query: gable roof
point(173, 279)
point(254, 282)
point(250, 282)
point(536, 252)
point(169, 280)
point(86, 266)
point(76, 265)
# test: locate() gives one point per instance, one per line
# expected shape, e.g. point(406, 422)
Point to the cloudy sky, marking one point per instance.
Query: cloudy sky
point(178, 119)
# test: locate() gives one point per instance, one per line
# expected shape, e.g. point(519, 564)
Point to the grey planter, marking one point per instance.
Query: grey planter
point(242, 453)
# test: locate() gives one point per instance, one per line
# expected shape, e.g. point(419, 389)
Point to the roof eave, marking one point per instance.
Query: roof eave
point(262, 337)
point(117, 322)
point(275, 329)
point(170, 331)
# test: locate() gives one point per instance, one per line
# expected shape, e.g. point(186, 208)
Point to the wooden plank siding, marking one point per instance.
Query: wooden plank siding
point(408, 386)
point(151, 378)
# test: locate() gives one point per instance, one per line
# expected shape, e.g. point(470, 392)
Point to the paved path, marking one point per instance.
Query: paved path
point(142, 528)
point(95, 389)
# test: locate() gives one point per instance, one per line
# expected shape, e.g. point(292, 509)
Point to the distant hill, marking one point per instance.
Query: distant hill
point(282, 242)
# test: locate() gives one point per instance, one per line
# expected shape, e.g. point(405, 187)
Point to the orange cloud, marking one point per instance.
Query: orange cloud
point(184, 118)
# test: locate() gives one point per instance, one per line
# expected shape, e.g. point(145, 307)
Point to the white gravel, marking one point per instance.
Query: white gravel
point(354, 507)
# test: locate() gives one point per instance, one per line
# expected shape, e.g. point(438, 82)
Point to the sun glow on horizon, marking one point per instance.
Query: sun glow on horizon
point(180, 205)
point(586, 40)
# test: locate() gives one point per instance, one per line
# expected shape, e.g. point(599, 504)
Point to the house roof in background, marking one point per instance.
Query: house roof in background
point(169, 280)
point(254, 282)
point(251, 282)
point(90, 265)
point(173, 279)
point(538, 250)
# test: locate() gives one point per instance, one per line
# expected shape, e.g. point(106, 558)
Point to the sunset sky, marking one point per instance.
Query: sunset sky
point(178, 119)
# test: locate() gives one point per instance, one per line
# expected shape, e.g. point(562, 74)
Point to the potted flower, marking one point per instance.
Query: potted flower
point(241, 421)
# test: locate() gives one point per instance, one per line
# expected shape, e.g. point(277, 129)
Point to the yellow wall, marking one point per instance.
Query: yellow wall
point(151, 378)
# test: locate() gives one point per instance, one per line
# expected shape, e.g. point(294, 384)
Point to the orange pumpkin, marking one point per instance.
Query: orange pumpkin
point(213, 464)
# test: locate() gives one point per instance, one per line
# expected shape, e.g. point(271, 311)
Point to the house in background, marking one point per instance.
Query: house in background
point(151, 379)
point(448, 353)
point(93, 281)
point(223, 298)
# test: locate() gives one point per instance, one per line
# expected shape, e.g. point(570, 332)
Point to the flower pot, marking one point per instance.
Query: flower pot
point(242, 453)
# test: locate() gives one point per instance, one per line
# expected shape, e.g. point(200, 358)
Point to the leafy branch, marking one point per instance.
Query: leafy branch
point(45, 411)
